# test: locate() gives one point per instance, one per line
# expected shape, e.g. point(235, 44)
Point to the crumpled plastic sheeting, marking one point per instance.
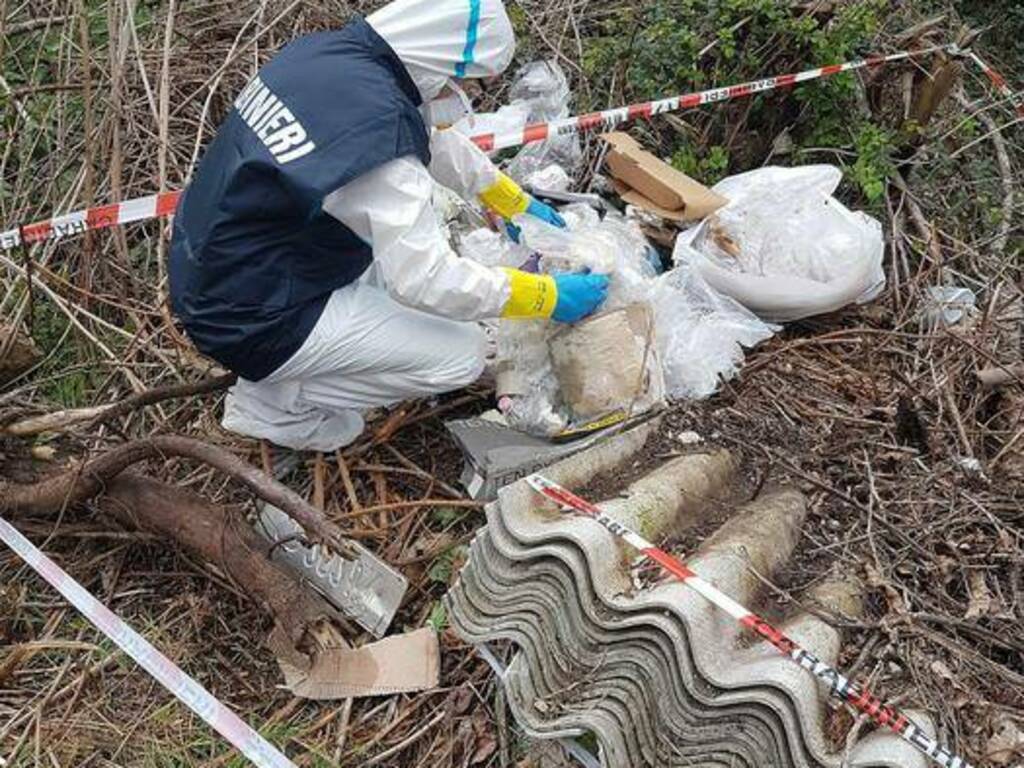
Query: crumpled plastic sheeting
point(534, 405)
point(700, 333)
point(539, 94)
point(615, 247)
point(944, 306)
point(553, 178)
point(544, 86)
point(492, 249)
point(784, 247)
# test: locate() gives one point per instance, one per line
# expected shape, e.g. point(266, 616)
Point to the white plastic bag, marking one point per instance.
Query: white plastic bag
point(544, 86)
point(700, 334)
point(784, 247)
point(615, 247)
point(945, 306)
point(551, 178)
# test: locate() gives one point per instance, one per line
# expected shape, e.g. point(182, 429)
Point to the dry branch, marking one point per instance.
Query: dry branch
point(78, 485)
point(1000, 377)
point(58, 421)
point(161, 394)
point(211, 533)
point(61, 421)
point(31, 25)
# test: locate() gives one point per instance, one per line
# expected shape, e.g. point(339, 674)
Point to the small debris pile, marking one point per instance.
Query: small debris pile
point(769, 245)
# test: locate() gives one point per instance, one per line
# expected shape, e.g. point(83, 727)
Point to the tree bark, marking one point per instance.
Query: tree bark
point(76, 486)
point(214, 535)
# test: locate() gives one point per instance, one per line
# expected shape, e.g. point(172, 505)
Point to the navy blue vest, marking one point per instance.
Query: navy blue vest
point(254, 258)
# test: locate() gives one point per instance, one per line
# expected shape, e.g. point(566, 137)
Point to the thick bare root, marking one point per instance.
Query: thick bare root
point(214, 535)
point(86, 482)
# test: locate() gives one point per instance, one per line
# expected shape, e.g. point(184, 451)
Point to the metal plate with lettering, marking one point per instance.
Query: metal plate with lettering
point(366, 589)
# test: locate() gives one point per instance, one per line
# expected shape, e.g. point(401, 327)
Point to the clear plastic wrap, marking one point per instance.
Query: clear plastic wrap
point(944, 306)
point(447, 207)
point(700, 333)
point(784, 247)
point(614, 246)
point(492, 249)
point(544, 86)
point(696, 338)
point(526, 380)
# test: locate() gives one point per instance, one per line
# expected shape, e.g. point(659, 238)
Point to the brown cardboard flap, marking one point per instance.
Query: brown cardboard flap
point(401, 664)
point(631, 197)
point(657, 186)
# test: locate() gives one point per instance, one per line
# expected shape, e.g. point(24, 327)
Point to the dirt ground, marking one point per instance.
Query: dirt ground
point(916, 525)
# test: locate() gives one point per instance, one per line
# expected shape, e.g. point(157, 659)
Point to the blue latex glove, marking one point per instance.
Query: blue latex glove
point(513, 231)
point(579, 296)
point(545, 212)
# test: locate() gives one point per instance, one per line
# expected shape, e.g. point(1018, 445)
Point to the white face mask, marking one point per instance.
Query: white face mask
point(448, 110)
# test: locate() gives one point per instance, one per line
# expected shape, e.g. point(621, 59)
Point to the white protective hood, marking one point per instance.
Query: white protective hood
point(439, 40)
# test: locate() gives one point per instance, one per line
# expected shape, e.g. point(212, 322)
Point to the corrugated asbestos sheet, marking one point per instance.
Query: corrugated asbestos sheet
point(654, 672)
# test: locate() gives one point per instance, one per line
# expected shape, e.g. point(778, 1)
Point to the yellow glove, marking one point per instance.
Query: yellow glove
point(533, 296)
point(505, 197)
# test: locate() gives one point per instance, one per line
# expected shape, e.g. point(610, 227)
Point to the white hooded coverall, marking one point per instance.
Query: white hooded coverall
point(407, 327)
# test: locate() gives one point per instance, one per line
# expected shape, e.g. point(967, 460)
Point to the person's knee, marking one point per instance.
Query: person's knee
point(462, 360)
point(472, 354)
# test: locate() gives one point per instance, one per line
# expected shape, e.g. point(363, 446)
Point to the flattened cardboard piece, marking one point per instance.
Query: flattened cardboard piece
point(631, 197)
point(655, 185)
point(401, 664)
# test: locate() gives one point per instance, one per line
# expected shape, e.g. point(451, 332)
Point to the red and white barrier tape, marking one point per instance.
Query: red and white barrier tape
point(644, 111)
point(156, 206)
point(257, 749)
point(101, 217)
point(999, 83)
point(839, 685)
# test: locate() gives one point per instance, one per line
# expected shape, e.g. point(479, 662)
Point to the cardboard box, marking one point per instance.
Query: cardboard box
point(641, 179)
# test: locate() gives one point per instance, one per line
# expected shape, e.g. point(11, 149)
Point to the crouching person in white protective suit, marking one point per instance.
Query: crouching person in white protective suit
point(306, 257)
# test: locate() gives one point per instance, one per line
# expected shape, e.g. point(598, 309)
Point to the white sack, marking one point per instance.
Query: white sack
point(797, 251)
